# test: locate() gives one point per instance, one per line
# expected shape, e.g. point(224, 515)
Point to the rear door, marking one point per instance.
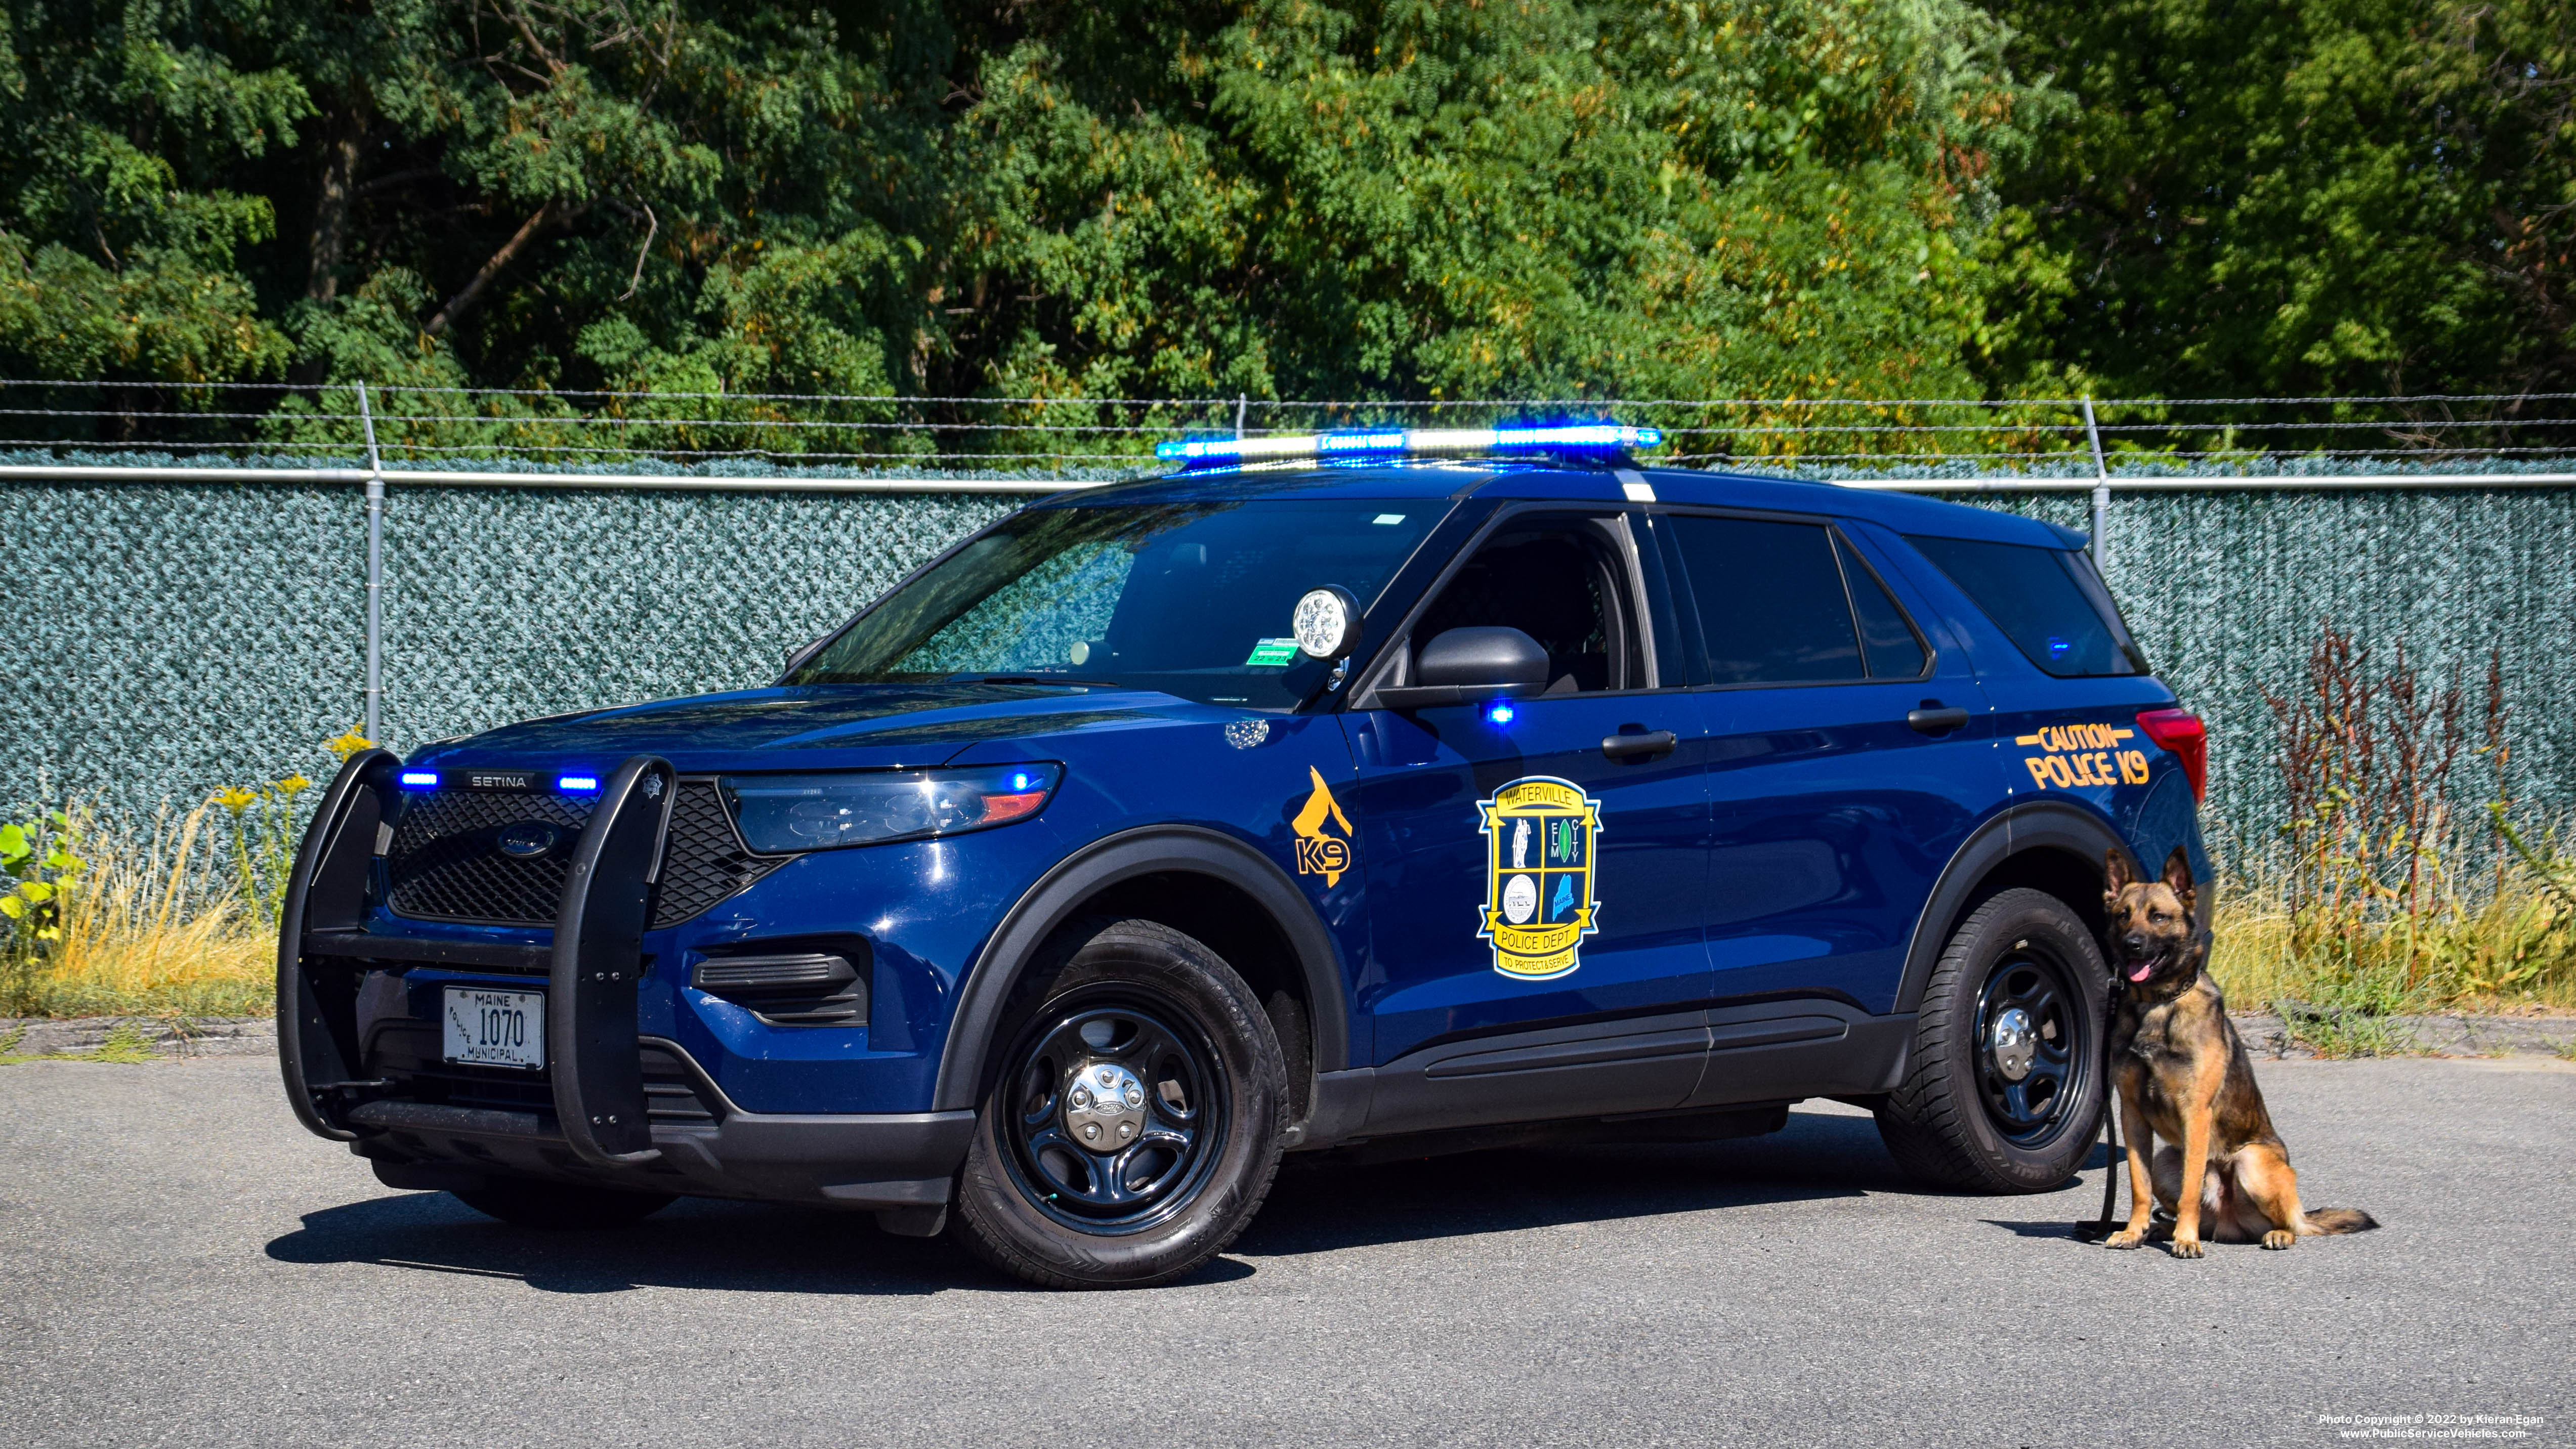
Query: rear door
point(1849, 753)
point(1534, 869)
point(2068, 684)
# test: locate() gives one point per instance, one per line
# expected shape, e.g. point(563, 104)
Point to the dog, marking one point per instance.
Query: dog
point(2184, 1077)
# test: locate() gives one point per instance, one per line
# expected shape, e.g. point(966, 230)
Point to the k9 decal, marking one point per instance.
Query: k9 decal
point(2081, 756)
point(1322, 851)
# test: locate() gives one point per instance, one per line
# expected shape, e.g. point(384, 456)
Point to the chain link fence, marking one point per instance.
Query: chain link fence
point(547, 552)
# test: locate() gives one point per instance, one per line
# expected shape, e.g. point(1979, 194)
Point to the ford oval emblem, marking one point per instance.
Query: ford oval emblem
point(527, 840)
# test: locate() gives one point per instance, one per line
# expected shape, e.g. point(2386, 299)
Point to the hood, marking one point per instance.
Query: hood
point(812, 726)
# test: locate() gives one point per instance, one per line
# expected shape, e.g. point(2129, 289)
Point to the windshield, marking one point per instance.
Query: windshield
point(1191, 599)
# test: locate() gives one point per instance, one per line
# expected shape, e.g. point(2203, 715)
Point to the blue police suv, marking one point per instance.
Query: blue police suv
point(1386, 793)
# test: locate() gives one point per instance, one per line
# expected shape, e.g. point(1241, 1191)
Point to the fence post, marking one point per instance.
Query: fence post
point(2101, 494)
point(375, 573)
point(1240, 401)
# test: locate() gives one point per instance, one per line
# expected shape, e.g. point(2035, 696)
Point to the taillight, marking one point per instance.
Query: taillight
point(2181, 731)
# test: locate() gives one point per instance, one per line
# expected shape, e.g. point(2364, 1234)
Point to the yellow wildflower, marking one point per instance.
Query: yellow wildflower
point(348, 744)
point(237, 799)
point(291, 786)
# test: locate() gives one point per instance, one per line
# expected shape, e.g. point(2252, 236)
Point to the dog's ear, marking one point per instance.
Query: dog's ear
point(2178, 877)
point(2116, 877)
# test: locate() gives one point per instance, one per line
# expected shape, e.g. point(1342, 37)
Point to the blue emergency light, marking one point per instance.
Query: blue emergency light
point(1561, 440)
point(577, 782)
point(420, 779)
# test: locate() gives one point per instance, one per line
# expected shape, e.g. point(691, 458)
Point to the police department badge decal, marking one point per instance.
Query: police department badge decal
point(1539, 836)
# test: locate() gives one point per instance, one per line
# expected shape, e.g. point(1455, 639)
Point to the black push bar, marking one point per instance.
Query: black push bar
point(599, 935)
point(593, 970)
point(317, 1026)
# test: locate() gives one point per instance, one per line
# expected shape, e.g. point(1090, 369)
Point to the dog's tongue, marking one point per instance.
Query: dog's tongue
point(2143, 970)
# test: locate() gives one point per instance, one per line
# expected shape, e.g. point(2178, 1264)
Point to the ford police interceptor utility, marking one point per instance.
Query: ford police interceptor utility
point(1391, 793)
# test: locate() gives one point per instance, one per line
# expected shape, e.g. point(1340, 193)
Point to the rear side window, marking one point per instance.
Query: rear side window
point(1895, 650)
point(1774, 607)
point(2046, 600)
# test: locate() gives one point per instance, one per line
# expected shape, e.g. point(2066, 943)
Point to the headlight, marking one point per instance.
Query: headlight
point(783, 813)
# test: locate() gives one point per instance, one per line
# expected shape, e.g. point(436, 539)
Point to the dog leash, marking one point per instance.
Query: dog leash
point(2094, 1230)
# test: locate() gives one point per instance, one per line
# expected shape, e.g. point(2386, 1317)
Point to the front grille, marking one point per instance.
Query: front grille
point(671, 1093)
point(444, 864)
point(703, 861)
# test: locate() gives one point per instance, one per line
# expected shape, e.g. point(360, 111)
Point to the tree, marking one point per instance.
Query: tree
point(2292, 197)
point(1148, 198)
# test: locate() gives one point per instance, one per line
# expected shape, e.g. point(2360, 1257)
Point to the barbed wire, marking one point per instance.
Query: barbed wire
point(1246, 400)
point(783, 429)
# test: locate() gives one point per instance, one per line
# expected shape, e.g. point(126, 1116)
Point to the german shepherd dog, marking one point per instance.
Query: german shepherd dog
point(2184, 1076)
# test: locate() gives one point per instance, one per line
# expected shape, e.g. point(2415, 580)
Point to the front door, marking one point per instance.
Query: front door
point(1541, 862)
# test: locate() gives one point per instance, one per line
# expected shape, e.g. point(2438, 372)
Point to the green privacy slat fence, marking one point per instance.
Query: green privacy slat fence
point(166, 640)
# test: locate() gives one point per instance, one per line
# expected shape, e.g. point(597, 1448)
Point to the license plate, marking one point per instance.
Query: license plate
point(496, 1028)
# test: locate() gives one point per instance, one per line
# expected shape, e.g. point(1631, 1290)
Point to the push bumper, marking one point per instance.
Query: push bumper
point(890, 1161)
point(609, 1125)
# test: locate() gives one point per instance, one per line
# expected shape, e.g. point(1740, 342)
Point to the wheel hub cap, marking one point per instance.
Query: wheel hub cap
point(2014, 1043)
point(1104, 1106)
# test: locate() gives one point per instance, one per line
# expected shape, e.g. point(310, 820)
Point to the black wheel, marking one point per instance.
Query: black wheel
point(2004, 1090)
point(562, 1205)
point(1132, 1125)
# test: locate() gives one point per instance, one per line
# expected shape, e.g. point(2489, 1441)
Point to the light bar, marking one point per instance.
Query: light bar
point(577, 782)
point(1574, 440)
point(420, 779)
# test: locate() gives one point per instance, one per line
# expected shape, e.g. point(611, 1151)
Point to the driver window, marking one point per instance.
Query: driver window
point(1561, 582)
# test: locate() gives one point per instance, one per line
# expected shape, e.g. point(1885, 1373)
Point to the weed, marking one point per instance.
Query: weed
point(158, 920)
point(153, 930)
point(128, 1043)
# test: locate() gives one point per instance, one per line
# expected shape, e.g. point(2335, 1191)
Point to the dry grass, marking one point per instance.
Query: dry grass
point(2341, 981)
point(149, 929)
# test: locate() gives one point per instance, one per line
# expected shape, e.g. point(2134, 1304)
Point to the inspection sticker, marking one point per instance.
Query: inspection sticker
point(1272, 654)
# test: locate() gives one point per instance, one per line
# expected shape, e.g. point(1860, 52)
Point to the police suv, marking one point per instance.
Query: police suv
point(1387, 793)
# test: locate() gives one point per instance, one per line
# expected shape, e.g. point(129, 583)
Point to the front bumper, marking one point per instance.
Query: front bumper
point(613, 1107)
point(705, 1146)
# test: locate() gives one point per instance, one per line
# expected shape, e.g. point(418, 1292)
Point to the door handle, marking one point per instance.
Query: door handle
point(1639, 747)
point(1936, 718)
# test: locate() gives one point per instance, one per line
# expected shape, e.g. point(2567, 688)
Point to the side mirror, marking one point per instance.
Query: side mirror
point(1466, 666)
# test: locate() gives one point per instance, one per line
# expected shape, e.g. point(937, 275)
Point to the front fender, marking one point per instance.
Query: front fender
point(1060, 894)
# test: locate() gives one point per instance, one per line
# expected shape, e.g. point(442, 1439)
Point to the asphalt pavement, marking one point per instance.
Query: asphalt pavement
point(180, 1264)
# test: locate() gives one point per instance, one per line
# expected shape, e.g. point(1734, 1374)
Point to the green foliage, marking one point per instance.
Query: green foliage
point(2293, 197)
point(1152, 198)
point(1276, 198)
point(36, 859)
point(38, 865)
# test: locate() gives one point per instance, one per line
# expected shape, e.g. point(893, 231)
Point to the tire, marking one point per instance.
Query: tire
point(1154, 1020)
point(1961, 1120)
point(563, 1206)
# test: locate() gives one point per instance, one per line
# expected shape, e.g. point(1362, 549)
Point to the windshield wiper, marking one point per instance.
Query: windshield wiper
point(1029, 679)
